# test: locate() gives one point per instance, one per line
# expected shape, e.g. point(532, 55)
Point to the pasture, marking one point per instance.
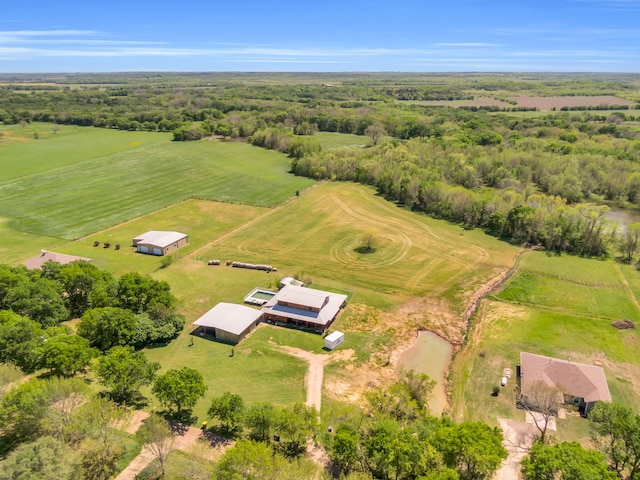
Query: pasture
point(72, 199)
point(556, 306)
point(202, 220)
point(422, 274)
point(332, 140)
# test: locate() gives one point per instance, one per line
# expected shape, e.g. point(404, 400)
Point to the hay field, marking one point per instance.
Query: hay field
point(560, 306)
point(77, 190)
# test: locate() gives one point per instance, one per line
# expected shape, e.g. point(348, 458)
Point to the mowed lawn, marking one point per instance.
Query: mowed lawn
point(257, 371)
point(317, 237)
point(75, 199)
point(560, 306)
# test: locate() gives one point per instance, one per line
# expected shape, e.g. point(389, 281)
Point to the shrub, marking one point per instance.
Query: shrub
point(96, 243)
point(495, 391)
point(107, 244)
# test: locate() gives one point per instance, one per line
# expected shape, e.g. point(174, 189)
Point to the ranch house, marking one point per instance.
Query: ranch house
point(303, 307)
point(228, 322)
point(46, 256)
point(160, 243)
point(581, 385)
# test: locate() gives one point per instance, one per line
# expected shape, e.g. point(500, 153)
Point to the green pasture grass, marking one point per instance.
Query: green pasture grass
point(317, 235)
point(569, 285)
point(332, 140)
point(22, 155)
point(132, 449)
point(204, 221)
point(503, 331)
point(562, 296)
point(18, 246)
point(77, 199)
point(182, 465)
point(258, 371)
point(580, 270)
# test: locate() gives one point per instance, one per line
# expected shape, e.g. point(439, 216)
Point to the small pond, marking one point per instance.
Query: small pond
point(430, 354)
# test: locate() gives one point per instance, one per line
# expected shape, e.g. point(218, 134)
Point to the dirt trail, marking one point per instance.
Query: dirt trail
point(185, 439)
point(627, 287)
point(315, 373)
point(518, 438)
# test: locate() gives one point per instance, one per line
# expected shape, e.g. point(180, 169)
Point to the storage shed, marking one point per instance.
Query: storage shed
point(334, 339)
point(229, 322)
point(156, 242)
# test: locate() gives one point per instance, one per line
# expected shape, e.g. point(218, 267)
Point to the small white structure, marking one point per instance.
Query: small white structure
point(290, 281)
point(334, 339)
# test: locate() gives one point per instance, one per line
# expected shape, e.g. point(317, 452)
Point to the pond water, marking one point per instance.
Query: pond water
point(430, 354)
point(623, 216)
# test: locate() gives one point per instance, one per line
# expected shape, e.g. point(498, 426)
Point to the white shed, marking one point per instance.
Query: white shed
point(334, 339)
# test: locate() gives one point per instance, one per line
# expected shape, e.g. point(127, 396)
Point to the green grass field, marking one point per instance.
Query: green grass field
point(556, 306)
point(318, 234)
point(332, 140)
point(203, 220)
point(72, 199)
point(111, 186)
point(257, 371)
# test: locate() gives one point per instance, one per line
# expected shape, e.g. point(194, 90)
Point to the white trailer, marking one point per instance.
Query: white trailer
point(334, 339)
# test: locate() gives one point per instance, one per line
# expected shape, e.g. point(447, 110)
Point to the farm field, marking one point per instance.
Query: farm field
point(556, 306)
point(557, 102)
point(332, 140)
point(544, 104)
point(22, 155)
point(73, 199)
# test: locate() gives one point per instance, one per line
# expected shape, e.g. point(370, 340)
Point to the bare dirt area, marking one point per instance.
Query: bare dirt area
point(518, 438)
point(547, 103)
point(315, 372)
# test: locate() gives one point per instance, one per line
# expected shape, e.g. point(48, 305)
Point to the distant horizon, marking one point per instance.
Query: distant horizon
point(438, 36)
point(327, 72)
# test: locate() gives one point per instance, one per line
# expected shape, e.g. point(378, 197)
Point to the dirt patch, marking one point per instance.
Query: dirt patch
point(518, 438)
point(315, 372)
point(624, 324)
point(547, 103)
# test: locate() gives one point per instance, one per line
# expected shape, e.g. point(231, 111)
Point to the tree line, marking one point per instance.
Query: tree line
point(133, 310)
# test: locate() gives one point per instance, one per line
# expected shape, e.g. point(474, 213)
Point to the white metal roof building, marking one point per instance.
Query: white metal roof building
point(157, 242)
point(304, 307)
point(229, 322)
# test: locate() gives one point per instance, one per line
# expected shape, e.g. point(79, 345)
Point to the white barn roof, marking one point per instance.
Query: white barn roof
point(159, 238)
point(230, 317)
point(329, 304)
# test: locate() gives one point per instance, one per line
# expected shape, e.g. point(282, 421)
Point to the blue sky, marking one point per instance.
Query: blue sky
point(316, 35)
